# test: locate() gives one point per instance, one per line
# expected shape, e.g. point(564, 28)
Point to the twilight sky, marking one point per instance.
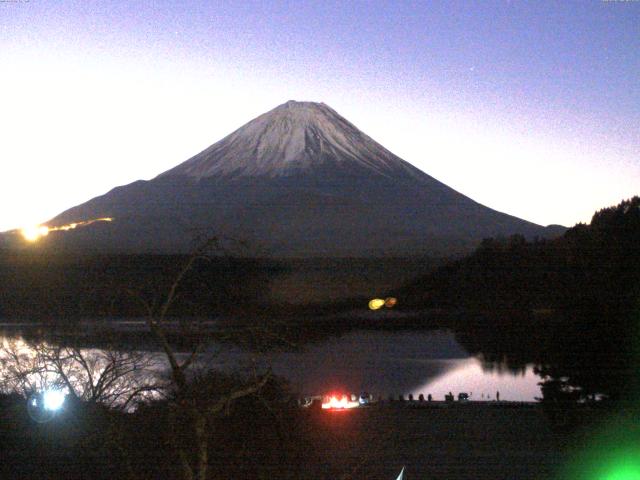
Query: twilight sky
point(531, 108)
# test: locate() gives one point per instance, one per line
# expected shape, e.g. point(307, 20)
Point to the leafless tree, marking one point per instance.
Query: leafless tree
point(112, 377)
point(119, 378)
point(184, 403)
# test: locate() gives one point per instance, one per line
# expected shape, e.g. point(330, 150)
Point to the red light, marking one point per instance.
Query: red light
point(342, 404)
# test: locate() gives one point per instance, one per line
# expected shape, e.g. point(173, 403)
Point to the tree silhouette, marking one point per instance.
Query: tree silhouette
point(195, 397)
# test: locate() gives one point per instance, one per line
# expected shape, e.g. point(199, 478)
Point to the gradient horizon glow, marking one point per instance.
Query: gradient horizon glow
point(531, 108)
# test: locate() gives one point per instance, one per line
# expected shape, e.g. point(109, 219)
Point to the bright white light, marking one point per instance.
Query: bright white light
point(53, 399)
point(33, 233)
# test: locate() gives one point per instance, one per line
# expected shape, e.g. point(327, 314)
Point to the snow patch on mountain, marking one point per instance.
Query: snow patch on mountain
point(296, 138)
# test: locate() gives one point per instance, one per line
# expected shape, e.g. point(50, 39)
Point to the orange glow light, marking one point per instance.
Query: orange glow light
point(33, 233)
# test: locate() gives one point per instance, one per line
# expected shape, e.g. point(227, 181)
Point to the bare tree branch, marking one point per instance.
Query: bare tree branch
point(225, 401)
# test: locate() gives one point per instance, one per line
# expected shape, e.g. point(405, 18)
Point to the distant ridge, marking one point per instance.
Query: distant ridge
point(299, 180)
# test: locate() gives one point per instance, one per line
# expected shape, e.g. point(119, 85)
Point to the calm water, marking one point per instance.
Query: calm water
point(383, 363)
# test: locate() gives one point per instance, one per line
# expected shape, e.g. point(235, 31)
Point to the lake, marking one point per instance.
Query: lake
point(381, 363)
point(401, 363)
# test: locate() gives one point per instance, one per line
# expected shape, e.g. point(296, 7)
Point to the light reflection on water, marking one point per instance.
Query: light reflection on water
point(382, 363)
point(467, 375)
point(118, 378)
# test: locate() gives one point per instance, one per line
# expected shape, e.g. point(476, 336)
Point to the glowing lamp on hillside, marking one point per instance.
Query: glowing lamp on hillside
point(34, 232)
point(376, 304)
point(390, 302)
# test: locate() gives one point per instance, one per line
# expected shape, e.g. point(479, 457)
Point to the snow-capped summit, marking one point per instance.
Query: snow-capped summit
point(292, 139)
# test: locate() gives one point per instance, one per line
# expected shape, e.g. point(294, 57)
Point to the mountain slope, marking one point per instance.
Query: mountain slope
point(299, 180)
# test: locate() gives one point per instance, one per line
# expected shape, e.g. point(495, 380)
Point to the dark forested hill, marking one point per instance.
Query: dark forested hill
point(570, 305)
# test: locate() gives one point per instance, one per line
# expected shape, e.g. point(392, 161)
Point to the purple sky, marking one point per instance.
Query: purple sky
point(532, 108)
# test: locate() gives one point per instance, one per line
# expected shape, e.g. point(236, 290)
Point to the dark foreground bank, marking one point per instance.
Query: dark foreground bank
point(481, 442)
point(259, 439)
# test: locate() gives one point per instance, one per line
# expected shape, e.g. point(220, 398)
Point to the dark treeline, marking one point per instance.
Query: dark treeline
point(569, 305)
point(45, 286)
point(39, 285)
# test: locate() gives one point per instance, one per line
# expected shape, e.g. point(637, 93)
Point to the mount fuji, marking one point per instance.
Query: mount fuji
point(297, 181)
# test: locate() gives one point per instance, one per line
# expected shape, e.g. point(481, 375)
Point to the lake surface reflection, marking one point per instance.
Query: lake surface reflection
point(400, 363)
point(383, 364)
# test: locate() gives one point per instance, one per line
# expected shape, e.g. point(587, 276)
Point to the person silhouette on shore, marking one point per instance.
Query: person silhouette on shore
point(497, 396)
